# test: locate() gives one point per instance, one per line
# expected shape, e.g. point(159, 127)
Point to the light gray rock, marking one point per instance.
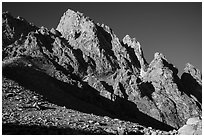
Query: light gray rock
point(193, 127)
point(193, 121)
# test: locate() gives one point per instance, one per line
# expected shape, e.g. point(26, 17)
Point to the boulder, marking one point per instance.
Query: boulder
point(193, 127)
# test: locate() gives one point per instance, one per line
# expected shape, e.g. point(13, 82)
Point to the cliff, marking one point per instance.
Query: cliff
point(86, 61)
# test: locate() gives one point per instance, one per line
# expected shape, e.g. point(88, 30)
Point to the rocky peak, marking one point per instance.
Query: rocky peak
point(74, 24)
point(14, 28)
point(160, 61)
point(192, 81)
point(157, 62)
point(94, 42)
point(133, 43)
point(194, 72)
point(88, 61)
point(163, 76)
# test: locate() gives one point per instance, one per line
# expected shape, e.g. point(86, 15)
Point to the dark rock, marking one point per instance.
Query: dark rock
point(136, 57)
point(175, 107)
point(86, 62)
point(14, 28)
point(192, 81)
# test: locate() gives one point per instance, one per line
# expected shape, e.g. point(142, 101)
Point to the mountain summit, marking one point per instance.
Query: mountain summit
point(84, 66)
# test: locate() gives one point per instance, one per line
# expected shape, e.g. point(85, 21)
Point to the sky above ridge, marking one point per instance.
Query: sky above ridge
point(174, 29)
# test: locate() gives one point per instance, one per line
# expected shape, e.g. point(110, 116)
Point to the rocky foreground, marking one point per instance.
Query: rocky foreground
point(81, 79)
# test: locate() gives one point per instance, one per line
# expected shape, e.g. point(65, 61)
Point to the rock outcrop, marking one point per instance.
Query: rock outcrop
point(88, 61)
point(192, 81)
point(193, 127)
point(14, 28)
point(174, 105)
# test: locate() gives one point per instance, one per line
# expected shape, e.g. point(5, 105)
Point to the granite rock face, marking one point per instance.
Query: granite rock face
point(175, 106)
point(89, 62)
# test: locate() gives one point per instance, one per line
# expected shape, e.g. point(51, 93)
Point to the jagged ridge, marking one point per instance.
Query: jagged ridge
point(103, 70)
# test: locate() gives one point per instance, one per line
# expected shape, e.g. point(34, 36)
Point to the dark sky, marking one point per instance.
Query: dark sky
point(174, 29)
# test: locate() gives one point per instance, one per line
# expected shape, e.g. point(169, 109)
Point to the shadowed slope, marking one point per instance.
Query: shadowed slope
point(63, 94)
point(84, 66)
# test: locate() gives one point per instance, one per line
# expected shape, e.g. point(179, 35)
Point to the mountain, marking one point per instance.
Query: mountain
point(83, 66)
